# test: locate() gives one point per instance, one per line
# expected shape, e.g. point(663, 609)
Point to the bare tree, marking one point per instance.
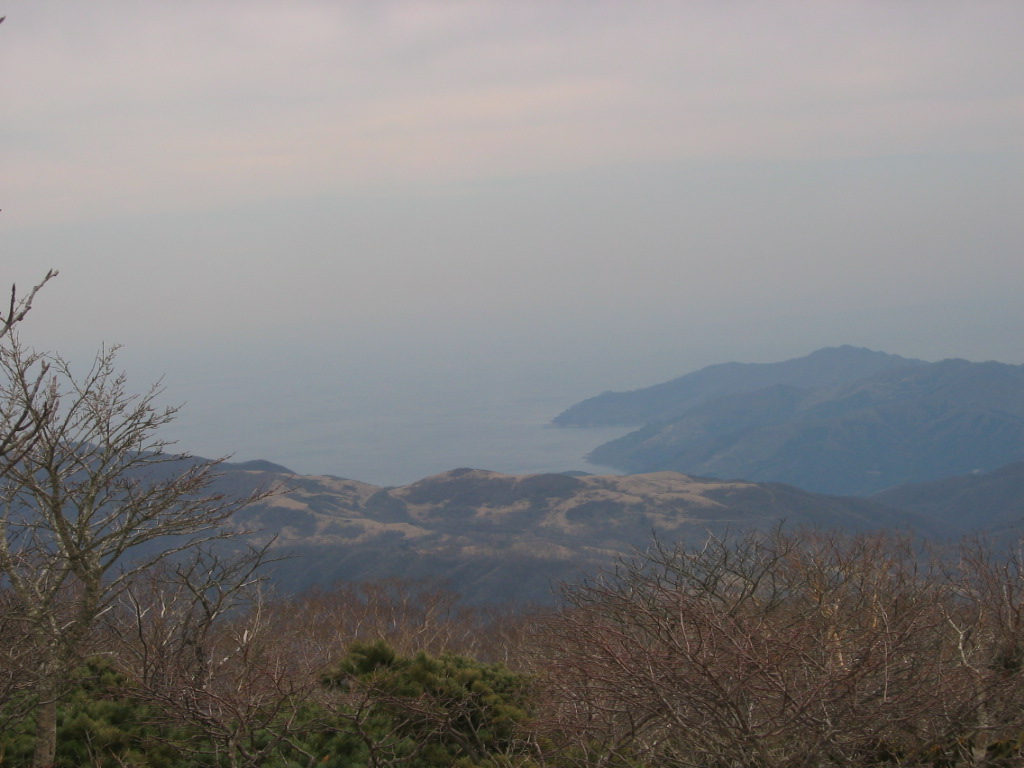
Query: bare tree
point(89, 504)
point(17, 433)
point(778, 651)
point(410, 616)
point(17, 656)
point(985, 621)
point(241, 675)
point(17, 427)
point(196, 641)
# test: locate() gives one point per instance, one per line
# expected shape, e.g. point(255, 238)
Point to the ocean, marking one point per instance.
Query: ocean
point(385, 424)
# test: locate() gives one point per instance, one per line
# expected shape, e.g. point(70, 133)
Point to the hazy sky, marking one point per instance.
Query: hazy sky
point(585, 195)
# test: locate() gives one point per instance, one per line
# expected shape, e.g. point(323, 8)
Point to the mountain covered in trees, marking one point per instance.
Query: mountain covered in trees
point(840, 421)
point(989, 501)
point(663, 402)
point(495, 537)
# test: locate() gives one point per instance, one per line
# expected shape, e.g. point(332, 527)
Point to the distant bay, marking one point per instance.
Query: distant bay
point(386, 424)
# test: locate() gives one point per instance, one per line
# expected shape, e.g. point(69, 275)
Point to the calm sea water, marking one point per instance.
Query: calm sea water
point(386, 426)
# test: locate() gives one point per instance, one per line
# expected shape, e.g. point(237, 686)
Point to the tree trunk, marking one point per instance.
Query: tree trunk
point(46, 724)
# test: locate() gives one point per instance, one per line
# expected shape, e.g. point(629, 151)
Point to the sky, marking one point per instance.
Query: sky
point(372, 207)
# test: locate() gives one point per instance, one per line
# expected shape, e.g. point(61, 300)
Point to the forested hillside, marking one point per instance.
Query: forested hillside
point(909, 422)
point(831, 366)
point(987, 502)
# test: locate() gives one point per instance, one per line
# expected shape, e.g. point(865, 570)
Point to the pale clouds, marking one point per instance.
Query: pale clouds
point(119, 106)
point(351, 213)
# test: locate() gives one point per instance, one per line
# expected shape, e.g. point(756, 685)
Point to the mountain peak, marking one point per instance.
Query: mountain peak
point(830, 366)
point(837, 430)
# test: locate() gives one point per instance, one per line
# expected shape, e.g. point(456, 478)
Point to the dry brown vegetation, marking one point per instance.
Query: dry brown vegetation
point(790, 650)
point(778, 650)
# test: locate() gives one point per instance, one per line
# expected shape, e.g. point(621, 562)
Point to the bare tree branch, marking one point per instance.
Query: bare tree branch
point(90, 504)
point(19, 307)
point(777, 651)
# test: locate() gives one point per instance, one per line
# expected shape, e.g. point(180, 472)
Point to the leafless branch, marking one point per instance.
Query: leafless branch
point(19, 307)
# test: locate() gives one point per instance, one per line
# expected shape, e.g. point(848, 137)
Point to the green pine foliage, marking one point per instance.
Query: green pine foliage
point(445, 710)
point(99, 724)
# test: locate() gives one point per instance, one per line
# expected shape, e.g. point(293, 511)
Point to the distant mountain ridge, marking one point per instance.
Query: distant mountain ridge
point(663, 402)
point(497, 537)
point(906, 421)
point(993, 501)
point(954, 428)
